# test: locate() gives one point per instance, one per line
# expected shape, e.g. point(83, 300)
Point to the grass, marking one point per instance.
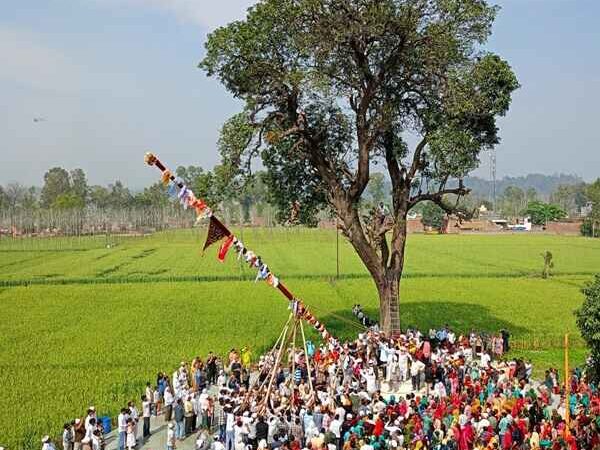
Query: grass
point(83, 323)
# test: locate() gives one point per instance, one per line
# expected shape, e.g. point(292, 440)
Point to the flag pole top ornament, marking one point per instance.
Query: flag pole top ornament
point(149, 158)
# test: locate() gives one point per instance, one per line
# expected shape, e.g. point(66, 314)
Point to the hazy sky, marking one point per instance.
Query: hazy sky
point(114, 78)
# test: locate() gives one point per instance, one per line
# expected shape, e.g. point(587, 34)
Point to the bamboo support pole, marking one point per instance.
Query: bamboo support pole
point(308, 368)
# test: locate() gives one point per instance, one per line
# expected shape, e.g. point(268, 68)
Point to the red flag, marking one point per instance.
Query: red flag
point(225, 246)
point(216, 232)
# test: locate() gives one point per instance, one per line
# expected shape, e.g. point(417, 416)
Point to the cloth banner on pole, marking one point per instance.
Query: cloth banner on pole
point(225, 246)
point(216, 232)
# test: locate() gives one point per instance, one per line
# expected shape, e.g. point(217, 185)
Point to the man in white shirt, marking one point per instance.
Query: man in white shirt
point(175, 383)
point(416, 368)
point(403, 357)
point(383, 355)
point(149, 394)
point(483, 423)
point(91, 414)
point(485, 359)
point(146, 413)
point(122, 427)
point(229, 429)
point(87, 440)
point(203, 400)
point(370, 380)
point(169, 399)
point(451, 337)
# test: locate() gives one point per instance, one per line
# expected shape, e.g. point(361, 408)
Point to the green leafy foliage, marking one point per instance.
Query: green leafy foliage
point(69, 200)
point(289, 180)
point(541, 213)
point(317, 56)
point(377, 189)
point(588, 322)
point(432, 215)
point(79, 186)
point(154, 196)
point(56, 182)
point(211, 186)
point(590, 228)
point(570, 197)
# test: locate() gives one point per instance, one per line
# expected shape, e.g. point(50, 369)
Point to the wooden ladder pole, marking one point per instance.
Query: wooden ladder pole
point(308, 368)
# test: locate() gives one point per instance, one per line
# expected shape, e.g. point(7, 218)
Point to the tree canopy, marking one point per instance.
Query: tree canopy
point(331, 87)
point(541, 213)
point(57, 182)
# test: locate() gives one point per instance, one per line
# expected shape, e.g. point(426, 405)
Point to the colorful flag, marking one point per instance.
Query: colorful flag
point(216, 232)
point(225, 246)
point(166, 177)
point(172, 191)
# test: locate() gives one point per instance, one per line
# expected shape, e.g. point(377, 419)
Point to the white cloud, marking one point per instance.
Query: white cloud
point(208, 14)
point(29, 61)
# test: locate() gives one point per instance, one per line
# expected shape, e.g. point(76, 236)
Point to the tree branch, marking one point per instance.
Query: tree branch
point(436, 196)
point(438, 199)
point(416, 162)
point(396, 174)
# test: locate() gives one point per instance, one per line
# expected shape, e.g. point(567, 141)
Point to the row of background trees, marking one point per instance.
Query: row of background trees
point(261, 201)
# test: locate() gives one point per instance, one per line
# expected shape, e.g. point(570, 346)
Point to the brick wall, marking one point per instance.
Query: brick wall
point(567, 228)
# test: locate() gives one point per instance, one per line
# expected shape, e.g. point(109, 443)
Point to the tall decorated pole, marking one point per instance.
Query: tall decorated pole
point(217, 232)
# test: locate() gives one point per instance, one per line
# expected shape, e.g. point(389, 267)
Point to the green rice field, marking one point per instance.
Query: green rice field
point(90, 320)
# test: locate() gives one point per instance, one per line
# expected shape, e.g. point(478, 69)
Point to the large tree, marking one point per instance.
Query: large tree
point(541, 213)
point(56, 183)
point(79, 186)
point(99, 197)
point(514, 201)
point(153, 196)
point(15, 193)
point(209, 185)
point(119, 196)
point(331, 87)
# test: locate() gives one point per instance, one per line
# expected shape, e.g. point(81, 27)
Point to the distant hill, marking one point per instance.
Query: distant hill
point(543, 184)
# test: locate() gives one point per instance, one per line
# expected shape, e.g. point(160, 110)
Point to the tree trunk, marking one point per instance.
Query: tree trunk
point(384, 263)
point(389, 307)
point(389, 292)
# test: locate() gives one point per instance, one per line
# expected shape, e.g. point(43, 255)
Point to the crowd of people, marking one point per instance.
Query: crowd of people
point(438, 390)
